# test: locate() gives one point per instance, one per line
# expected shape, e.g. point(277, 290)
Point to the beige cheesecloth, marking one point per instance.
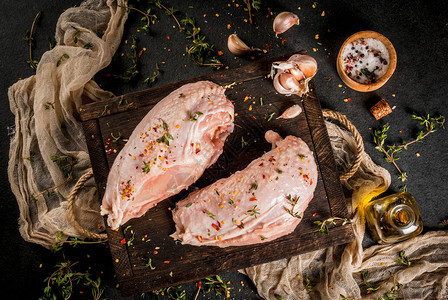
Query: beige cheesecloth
point(45, 107)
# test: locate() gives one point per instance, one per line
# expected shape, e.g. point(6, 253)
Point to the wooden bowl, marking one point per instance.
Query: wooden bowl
point(382, 80)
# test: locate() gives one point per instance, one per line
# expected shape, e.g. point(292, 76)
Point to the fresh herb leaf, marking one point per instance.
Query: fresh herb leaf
point(403, 259)
point(309, 284)
point(195, 116)
point(323, 225)
point(210, 214)
point(254, 186)
point(149, 264)
point(254, 211)
point(147, 168)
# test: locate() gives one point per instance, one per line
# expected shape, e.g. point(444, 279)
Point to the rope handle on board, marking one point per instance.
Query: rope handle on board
point(326, 113)
point(358, 138)
point(71, 213)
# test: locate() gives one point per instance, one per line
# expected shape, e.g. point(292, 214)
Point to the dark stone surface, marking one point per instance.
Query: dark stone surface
point(418, 30)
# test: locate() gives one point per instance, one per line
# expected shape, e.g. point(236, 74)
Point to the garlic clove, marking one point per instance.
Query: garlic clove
point(305, 63)
point(298, 75)
point(283, 21)
point(238, 47)
point(286, 84)
point(280, 67)
point(291, 112)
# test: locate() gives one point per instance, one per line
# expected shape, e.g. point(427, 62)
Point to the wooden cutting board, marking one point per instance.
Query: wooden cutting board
point(147, 237)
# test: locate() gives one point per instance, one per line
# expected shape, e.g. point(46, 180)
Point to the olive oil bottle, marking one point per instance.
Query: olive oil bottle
point(394, 218)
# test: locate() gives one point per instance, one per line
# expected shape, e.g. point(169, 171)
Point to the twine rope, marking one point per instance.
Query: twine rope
point(71, 213)
point(358, 138)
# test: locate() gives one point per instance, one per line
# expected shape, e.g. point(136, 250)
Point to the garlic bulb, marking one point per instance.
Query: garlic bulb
point(238, 47)
point(293, 75)
point(283, 21)
point(291, 112)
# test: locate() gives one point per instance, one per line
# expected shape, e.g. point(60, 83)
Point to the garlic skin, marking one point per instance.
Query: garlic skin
point(291, 112)
point(292, 76)
point(283, 21)
point(238, 47)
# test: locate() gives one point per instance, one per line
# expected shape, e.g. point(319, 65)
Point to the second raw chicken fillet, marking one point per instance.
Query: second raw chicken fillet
point(258, 204)
point(169, 150)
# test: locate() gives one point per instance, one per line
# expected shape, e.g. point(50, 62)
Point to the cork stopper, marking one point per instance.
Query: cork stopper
point(380, 109)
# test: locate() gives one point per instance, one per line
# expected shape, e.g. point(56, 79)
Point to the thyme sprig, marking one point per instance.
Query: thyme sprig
point(60, 284)
point(390, 151)
point(403, 259)
point(173, 292)
point(72, 241)
point(370, 287)
point(63, 56)
point(293, 202)
point(66, 164)
point(254, 186)
point(200, 51)
point(49, 105)
point(169, 11)
point(324, 224)
point(29, 37)
point(147, 18)
point(309, 284)
point(117, 138)
point(254, 211)
point(133, 57)
point(149, 264)
point(195, 116)
point(217, 285)
point(444, 223)
point(390, 294)
point(150, 80)
point(379, 138)
point(255, 4)
point(394, 291)
point(210, 214)
point(147, 168)
point(166, 137)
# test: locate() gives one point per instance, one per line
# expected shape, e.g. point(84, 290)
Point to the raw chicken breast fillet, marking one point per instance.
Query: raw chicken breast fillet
point(258, 204)
point(168, 150)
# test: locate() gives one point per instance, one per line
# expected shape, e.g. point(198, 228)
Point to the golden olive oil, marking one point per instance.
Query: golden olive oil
point(394, 218)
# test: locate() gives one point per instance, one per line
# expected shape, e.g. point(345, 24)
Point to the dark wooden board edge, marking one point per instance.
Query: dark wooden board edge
point(326, 160)
point(338, 235)
point(138, 99)
point(101, 170)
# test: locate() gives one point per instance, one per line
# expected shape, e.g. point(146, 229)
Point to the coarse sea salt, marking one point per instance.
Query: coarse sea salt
point(365, 60)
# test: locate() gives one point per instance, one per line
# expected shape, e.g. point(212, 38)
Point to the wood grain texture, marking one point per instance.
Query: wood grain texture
point(149, 235)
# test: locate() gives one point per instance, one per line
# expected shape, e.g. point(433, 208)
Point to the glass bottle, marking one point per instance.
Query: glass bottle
point(394, 218)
